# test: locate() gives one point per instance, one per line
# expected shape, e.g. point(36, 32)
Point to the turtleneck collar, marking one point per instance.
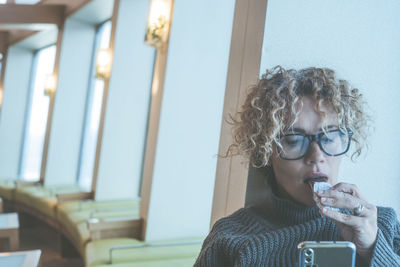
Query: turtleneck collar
point(285, 211)
point(291, 212)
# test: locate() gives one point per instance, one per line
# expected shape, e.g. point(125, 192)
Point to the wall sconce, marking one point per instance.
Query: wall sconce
point(158, 23)
point(103, 63)
point(1, 96)
point(50, 83)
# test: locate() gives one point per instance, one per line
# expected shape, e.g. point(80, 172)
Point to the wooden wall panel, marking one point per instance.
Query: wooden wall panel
point(243, 71)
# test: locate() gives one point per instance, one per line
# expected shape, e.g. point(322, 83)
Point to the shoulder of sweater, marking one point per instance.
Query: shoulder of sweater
point(229, 230)
point(386, 213)
point(244, 216)
point(240, 222)
point(387, 218)
point(239, 217)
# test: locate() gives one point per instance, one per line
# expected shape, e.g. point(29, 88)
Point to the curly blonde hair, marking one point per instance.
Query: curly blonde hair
point(271, 105)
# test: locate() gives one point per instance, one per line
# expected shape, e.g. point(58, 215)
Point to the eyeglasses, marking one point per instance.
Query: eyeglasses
point(332, 143)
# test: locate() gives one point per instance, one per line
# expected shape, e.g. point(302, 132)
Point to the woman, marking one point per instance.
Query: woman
point(299, 125)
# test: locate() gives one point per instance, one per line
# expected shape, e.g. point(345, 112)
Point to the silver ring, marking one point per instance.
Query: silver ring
point(358, 210)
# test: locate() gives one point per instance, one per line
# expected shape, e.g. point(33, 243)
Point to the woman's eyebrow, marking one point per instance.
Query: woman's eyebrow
point(301, 130)
point(297, 130)
point(331, 126)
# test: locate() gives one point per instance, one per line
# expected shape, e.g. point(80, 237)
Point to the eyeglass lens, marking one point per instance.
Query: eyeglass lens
point(296, 145)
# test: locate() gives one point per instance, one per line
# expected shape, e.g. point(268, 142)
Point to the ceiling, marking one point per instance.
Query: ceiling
point(96, 11)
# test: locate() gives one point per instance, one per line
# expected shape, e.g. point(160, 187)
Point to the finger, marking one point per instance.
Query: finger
point(351, 189)
point(343, 218)
point(341, 200)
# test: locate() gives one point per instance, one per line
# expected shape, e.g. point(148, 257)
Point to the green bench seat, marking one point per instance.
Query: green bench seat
point(7, 189)
point(43, 198)
point(73, 216)
point(79, 232)
point(98, 252)
point(182, 262)
point(73, 212)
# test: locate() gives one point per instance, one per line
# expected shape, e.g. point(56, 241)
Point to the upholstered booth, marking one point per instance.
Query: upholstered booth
point(7, 189)
point(42, 198)
point(131, 252)
point(73, 217)
point(105, 233)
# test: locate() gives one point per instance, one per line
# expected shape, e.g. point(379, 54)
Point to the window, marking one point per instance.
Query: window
point(38, 108)
point(27, 2)
point(92, 116)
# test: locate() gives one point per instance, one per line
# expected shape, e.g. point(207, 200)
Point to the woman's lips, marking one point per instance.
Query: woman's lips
point(315, 177)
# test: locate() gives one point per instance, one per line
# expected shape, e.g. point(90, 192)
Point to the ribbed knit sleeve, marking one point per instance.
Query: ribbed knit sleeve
point(387, 247)
point(222, 245)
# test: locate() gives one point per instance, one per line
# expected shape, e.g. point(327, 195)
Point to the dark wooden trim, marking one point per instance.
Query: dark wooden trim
point(32, 14)
point(243, 71)
point(157, 89)
point(115, 227)
point(51, 104)
point(114, 20)
point(22, 207)
point(63, 197)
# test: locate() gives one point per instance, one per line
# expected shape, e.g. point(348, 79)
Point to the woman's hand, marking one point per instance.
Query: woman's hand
point(362, 229)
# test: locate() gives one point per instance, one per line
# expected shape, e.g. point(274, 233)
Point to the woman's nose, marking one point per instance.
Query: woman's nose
point(315, 154)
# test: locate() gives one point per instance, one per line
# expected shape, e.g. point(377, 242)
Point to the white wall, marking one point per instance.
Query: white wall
point(69, 106)
point(12, 118)
point(191, 114)
point(127, 108)
point(360, 39)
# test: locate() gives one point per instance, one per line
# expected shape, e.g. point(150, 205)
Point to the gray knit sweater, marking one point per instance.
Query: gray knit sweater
point(268, 234)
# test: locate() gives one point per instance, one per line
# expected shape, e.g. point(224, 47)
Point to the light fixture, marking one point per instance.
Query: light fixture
point(103, 63)
point(1, 96)
point(158, 22)
point(50, 83)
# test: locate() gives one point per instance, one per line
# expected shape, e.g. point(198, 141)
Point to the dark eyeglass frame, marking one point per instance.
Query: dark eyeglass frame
point(317, 139)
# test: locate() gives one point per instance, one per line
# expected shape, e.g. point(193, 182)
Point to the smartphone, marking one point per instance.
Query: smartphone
point(326, 254)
